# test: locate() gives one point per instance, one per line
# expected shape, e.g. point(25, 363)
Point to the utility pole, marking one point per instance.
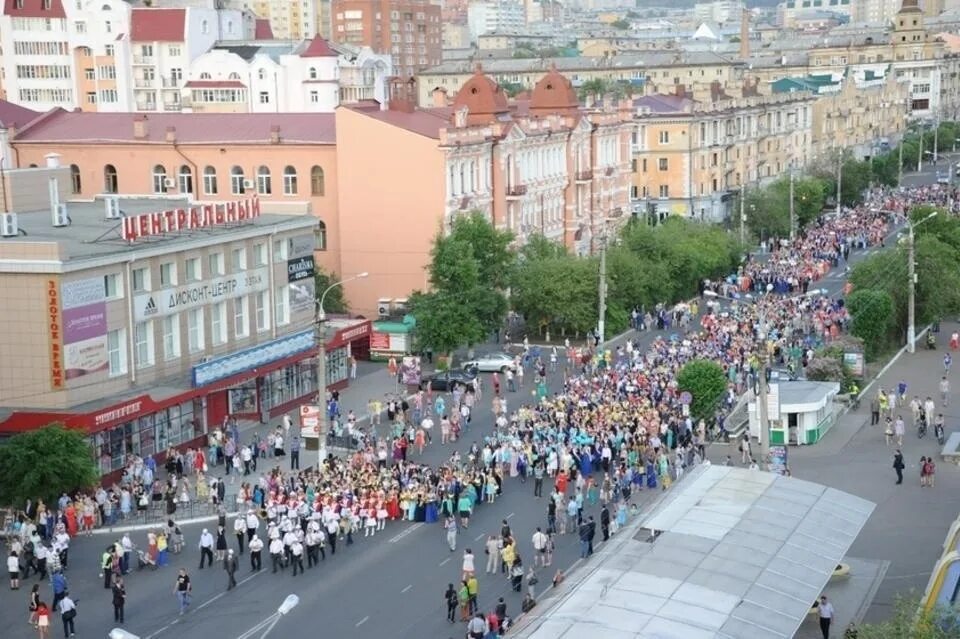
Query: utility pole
point(793, 213)
point(936, 137)
point(900, 154)
point(839, 177)
point(920, 155)
point(743, 215)
point(912, 293)
point(320, 337)
point(763, 410)
point(602, 321)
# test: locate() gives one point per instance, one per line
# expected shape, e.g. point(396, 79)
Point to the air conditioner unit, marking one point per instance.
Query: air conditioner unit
point(383, 307)
point(112, 208)
point(8, 225)
point(400, 305)
point(169, 182)
point(60, 217)
point(248, 184)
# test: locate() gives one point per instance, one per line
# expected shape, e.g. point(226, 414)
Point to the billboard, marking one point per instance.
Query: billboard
point(84, 320)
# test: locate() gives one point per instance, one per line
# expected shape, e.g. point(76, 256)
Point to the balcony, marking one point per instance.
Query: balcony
point(171, 83)
point(169, 106)
point(144, 59)
point(516, 191)
point(144, 83)
point(584, 176)
point(146, 106)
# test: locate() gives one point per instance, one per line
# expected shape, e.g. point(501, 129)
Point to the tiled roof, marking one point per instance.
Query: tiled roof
point(318, 48)
point(425, 122)
point(263, 30)
point(191, 128)
point(215, 84)
point(33, 9)
point(158, 25)
point(14, 115)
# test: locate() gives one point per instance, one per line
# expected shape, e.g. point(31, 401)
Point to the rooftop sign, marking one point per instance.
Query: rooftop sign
point(144, 225)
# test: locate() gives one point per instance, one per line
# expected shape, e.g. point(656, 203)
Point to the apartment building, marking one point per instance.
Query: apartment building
point(37, 55)
point(491, 16)
point(292, 20)
point(542, 165)
point(408, 30)
point(694, 149)
point(312, 76)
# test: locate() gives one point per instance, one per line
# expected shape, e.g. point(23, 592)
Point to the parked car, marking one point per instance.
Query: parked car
point(445, 381)
point(490, 363)
point(943, 178)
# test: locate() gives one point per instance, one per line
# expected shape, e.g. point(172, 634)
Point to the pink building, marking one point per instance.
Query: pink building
point(538, 166)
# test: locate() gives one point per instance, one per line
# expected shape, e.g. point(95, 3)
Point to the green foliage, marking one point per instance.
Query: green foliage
point(470, 269)
point(597, 88)
point(768, 208)
point(620, 24)
point(334, 302)
point(872, 313)
point(556, 291)
point(706, 382)
point(823, 368)
point(45, 463)
point(908, 623)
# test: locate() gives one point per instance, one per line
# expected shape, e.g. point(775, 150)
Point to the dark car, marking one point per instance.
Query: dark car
point(446, 380)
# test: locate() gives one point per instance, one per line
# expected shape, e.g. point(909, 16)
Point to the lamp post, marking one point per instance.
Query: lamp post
point(320, 328)
point(912, 290)
point(268, 624)
point(793, 211)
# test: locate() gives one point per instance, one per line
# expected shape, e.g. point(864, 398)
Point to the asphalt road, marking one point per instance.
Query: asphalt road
point(390, 585)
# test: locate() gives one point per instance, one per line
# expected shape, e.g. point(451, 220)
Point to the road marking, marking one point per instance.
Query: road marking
point(362, 621)
point(511, 515)
point(478, 537)
point(404, 533)
point(406, 589)
point(445, 561)
point(200, 607)
point(166, 627)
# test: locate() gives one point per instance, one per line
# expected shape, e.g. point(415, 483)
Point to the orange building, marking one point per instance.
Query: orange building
point(409, 30)
point(542, 165)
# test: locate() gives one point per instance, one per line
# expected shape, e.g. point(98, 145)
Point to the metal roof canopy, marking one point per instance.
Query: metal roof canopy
point(738, 554)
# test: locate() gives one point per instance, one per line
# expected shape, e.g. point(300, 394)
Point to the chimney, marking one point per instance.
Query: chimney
point(171, 135)
point(680, 90)
point(744, 34)
point(140, 126)
point(439, 97)
point(275, 134)
point(53, 160)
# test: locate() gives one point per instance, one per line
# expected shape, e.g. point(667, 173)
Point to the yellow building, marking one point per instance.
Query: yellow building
point(694, 149)
point(295, 20)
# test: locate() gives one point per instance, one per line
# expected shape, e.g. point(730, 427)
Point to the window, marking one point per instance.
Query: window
point(662, 164)
point(317, 186)
point(664, 137)
point(280, 251)
point(218, 323)
point(282, 313)
point(75, 185)
point(215, 263)
point(260, 254)
point(321, 236)
point(264, 97)
point(80, 26)
point(173, 51)
point(108, 50)
point(195, 337)
point(210, 180)
point(241, 317)
point(314, 97)
point(168, 274)
point(110, 179)
point(238, 259)
point(313, 73)
point(111, 286)
point(204, 27)
point(264, 186)
point(89, 74)
point(171, 337)
point(141, 279)
point(159, 179)
point(261, 308)
point(236, 180)
point(664, 190)
point(117, 352)
point(289, 181)
point(261, 74)
point(192, 269)
point(143, 344)
point(185, 178)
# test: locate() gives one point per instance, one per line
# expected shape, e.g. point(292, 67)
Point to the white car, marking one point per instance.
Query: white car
point(490, 363)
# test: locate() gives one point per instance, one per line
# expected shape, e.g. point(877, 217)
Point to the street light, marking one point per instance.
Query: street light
point(912, 275)
point(320, 326)
point(268, 624)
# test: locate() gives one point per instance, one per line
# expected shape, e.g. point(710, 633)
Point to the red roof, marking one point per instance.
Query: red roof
point(14, 115)
point(33, 9)
point(59, 126)
point(425, 122)
point(263, 30)
point(318, 48)
point(215, 84)
point(158, 25)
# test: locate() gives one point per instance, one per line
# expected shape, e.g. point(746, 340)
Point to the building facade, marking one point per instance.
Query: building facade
point(491, 16)
point(543, 166)
point(408, 30)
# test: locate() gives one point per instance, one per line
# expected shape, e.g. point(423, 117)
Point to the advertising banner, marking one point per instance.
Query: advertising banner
point(84, 327)
point(309, 420)
point(300, 269)
point(303, 295)
point(194, 294)
point(410, 370)
point(55, 334)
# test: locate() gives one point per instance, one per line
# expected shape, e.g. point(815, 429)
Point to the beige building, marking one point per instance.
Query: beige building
point(695, 149)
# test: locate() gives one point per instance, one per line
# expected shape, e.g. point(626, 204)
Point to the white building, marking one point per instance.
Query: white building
point(277, 76)
point(719, 11)
point(37, 62)
point(495, 15)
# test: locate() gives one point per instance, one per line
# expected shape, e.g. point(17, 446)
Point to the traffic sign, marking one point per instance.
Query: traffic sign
point(686, 398)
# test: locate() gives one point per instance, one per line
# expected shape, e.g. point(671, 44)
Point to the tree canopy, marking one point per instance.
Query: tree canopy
point(45, 463)
point(706, 382)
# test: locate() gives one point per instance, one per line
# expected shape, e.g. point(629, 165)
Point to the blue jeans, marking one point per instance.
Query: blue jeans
point(584, 548)
point(184, 599)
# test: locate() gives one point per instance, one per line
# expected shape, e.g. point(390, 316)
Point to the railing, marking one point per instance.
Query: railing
point(172, 107)
point(143, 59)
point(143, 83)
point(171, 83)
point(584, 176)
point(516, 190)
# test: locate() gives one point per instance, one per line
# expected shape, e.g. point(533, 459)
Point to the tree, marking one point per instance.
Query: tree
point(334, 302)
point(557, 292)
point(443, 322)
point(620, 24)
point(908, 623)
point(706, 382)
point(44, 463)
point(594, 89)
point(872, 312)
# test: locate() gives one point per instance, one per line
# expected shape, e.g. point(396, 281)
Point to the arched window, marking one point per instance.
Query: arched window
point(159, 179)
point(185, 178)
point(210, 180)
point(229, 26)
point(263, 181)
point(110, 179)
point(313, 73)
point(75, 185)
point(234, 76)
point(105, 7)
point(236, 181)
point(317, 186)
point(320, 235)
point(261, 74)
point(289, 181)
point(204, 76)
point(205, 27)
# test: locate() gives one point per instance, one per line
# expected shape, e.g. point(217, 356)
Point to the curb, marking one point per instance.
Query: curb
point(137, 527)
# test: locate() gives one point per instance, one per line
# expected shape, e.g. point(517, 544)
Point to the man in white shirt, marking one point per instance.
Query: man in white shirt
point(276, 553)
point(256, 546)
point(427, 426)
point(68, 611)
point(825, 610)
point(206, 547)
point(540, 547)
